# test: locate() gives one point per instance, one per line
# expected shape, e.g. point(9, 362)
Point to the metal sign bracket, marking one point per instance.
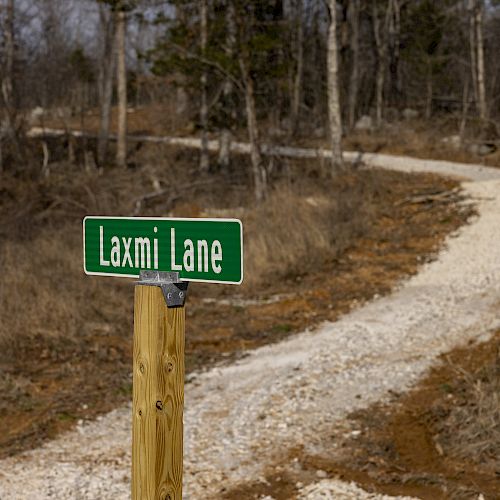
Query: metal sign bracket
point(174, 290)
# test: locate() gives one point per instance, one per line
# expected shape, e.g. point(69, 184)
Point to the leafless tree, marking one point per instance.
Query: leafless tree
point(380, 32)
point(394, 48)
point(107, 66)
point(7, 127)
point(228, 90)
point(299, 67)
point(121, 149)
point(258, 168)
point(204, 158)
point(334, 111)
point(8, 78)
point(353, 13)
point(476, 20)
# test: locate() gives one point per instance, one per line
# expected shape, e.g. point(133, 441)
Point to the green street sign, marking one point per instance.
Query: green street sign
point(207, 250)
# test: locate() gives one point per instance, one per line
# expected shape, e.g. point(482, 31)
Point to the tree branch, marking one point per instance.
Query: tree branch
point(212, 64)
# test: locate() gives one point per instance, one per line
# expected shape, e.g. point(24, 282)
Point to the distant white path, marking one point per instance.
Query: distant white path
point(392, 162)
point(240, 417)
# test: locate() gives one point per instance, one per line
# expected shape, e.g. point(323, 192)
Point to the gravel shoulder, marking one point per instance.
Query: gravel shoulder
point(240, 418)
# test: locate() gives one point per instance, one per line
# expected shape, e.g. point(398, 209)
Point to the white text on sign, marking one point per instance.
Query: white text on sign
point(141, 253)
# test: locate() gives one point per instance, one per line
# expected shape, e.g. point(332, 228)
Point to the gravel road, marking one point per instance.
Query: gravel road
point(240, 418)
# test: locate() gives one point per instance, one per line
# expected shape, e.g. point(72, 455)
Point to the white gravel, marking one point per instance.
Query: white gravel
point(406, 164)
point(240, 418)
point(337, 490)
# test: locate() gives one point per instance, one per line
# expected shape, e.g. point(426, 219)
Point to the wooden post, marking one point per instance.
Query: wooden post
point(158, 397)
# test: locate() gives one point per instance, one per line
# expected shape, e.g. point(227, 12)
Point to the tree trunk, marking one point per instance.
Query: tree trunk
point(299, 71)
point(8, 79)
point(394, 42)
point(121, 147)
point(379, 78)
point(258, 169)
point(228, 111)
point(316, 58)
point(379, 94)
point(353, 13)
point(334, 114)
point(473, 49)
point(140, 64)
point(465, 109)
point(106, 73)
point(204, 158)
point(429, 90)
point(481, 87)
point(380, 35)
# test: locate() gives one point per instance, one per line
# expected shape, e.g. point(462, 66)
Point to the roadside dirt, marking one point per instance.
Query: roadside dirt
point(413, 446)
point(416, 445)
point(49, 387)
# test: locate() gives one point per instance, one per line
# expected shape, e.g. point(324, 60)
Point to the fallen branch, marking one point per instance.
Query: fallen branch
point(150, 196)
point(442, 196)
point(179, 191)
point(46, 157)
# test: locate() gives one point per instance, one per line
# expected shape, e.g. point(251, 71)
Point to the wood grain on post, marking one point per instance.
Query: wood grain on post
point(158, 397)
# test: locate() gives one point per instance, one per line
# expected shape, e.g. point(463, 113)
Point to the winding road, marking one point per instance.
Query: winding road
point(240, 418)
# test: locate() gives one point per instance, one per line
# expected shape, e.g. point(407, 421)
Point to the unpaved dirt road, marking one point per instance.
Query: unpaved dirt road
point(242, 418)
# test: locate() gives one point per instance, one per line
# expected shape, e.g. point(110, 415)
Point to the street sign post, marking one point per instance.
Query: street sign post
point(166, 254)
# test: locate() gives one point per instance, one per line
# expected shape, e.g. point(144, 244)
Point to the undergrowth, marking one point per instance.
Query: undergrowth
point(44, 294)
point(471, 430)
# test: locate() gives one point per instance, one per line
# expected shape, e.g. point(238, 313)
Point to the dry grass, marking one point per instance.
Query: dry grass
point(43, 291)
point(46, 297)
point(301, 226)
point(439, 440)
point(158, 119)
point(471, 431)
point(420, 139)
point(348, 239)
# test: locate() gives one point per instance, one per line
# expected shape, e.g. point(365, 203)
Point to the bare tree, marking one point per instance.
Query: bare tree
point(204, 158)
point(225, 137)
point(472, 46)
point(353, 13)
point(107, 65)
point(258, 169)
point(394, 47)
point(476, 41)
point(121, 148)
point(8, 125)
point(245, 28)
point(334, 112)
point(380, 35)
point(481, 87)
point(465, 108)
point(299, 70)
point(8, 79)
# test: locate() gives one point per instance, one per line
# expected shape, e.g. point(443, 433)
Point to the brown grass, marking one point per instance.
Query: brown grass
point(471, 431)
point(343, 240)
point(43, 291)
point(300, 226)
point(420, 139)
point(441, 440)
